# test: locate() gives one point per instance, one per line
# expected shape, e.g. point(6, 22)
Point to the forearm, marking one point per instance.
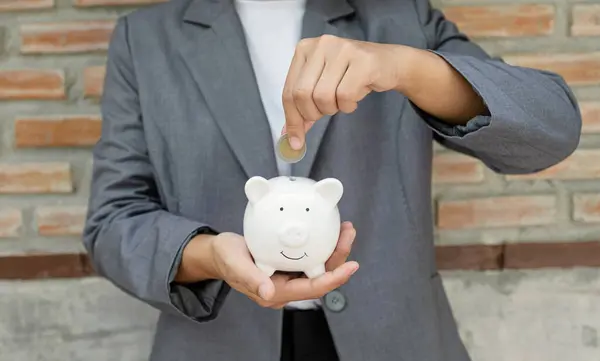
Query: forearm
point(136, 248)
point(124, 239)
point(530, 121)
point(436, 87)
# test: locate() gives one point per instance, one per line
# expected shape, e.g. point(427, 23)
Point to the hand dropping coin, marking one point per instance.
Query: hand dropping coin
point(287, 153)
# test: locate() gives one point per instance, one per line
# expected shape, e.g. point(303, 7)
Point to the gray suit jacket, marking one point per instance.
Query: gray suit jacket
point(184, 128)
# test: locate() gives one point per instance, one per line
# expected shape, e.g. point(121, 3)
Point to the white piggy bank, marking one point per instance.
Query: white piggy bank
point(292, 224)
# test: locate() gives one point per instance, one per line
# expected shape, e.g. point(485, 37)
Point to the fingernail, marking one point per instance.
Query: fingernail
point(283, 130)
point(295, 143)
point(354, 270)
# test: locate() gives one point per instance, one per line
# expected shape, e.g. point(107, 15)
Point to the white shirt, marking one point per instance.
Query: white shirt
point(273, 29)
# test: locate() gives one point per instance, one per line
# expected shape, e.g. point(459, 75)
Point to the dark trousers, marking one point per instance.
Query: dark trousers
point(306, 337)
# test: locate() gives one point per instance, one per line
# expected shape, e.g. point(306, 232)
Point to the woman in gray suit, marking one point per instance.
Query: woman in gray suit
point(197, 93)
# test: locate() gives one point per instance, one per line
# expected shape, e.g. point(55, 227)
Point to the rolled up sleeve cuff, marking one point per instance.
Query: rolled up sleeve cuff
point(463, 66)
point(199, 301)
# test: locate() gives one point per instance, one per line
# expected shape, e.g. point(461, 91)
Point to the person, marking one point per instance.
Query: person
point(196, 94)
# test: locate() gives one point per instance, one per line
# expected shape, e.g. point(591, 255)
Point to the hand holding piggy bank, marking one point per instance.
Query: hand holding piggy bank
point(292, 224)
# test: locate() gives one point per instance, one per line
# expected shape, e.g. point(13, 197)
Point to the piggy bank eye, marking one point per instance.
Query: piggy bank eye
point(281, 209)
point(307, 209)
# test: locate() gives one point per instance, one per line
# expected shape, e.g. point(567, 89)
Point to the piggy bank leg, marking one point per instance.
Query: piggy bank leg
point(266, 269)
point(315, 271)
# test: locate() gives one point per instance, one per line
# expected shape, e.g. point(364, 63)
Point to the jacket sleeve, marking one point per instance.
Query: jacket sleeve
point(533, 122)
point(130, 237)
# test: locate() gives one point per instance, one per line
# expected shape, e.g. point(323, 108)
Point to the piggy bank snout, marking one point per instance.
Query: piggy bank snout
point(293, 235)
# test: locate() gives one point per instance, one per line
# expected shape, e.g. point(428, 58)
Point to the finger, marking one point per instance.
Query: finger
point(254, 281)
point(343, 248)
point(352, 89)
point(278, 306)
point(305, 86)
point(303, 289)
point(324, 94)
point(280, 279)
point(259, 301)
point(294, 122)
point(266, 304)
point(307, 126)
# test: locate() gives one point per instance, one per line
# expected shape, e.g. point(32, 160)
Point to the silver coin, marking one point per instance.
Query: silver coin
point(286, 153)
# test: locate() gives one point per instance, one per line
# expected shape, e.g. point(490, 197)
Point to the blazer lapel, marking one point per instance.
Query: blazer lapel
point(319, 20)
point(214, 49)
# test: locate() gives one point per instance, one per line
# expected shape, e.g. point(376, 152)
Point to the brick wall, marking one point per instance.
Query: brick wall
point(561, 204)
point(52, 54)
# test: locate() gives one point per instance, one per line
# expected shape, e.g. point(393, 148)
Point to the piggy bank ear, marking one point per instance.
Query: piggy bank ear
point(256, 188)
point(331, 189)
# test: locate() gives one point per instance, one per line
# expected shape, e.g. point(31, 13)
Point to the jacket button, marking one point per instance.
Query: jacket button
point(335, 301)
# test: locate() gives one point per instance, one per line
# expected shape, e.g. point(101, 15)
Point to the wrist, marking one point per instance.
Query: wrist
point(409, 65)
point(197, 262)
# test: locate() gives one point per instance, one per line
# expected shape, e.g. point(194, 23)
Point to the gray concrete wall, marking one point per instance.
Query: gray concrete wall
point(507, 316)
point(72, 320)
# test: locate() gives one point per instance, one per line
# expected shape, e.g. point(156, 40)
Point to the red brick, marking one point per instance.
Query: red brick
point(585, 20)
point(93, 3)
point(60, 131)
point(469, 257)
point(32, 84)
point(11, 222)
point(18, 5)
point(93, 81)
point(460, 257)
point(456, 168)
point(503, 20)
point(586, 207)
point(60, 220)
point(35, 178)
point(551, 255)
point(582, 164)
point(590, 111)
point(576, 69)
point(44, 266)
point(506, 211)
point(67, 37)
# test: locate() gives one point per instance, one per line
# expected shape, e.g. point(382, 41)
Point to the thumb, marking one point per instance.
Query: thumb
point(266, 290)
point(295, 132)
point(257, 282)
